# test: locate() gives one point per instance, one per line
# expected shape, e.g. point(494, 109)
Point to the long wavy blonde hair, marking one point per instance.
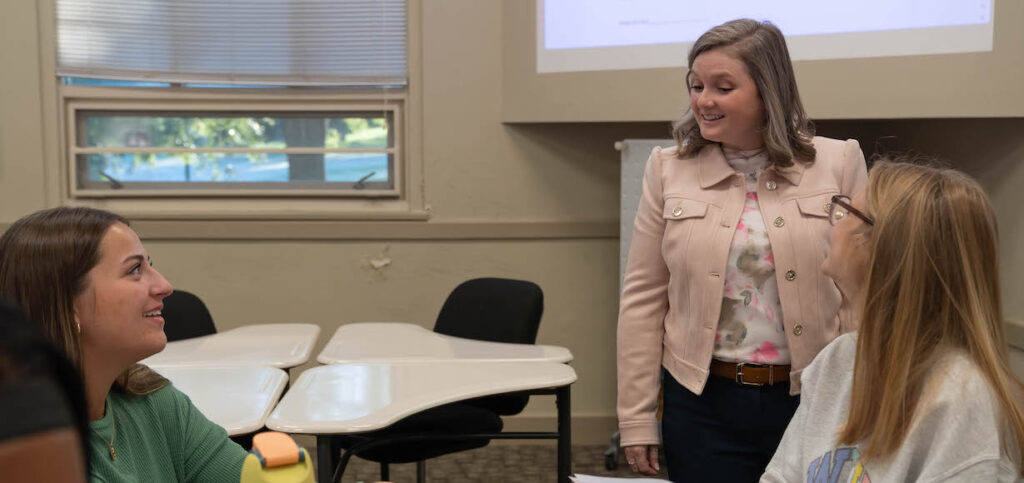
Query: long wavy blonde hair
point(45, 258)
point(761, 47)
point(932, 288)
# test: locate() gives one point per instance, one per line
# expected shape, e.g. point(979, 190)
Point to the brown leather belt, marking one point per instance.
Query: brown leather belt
point(750, 374)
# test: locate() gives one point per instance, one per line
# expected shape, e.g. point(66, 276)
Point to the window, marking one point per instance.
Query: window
point(125, 152)
point(218, 98)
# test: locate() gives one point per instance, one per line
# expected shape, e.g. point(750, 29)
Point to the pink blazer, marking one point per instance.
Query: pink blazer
point(672, 292)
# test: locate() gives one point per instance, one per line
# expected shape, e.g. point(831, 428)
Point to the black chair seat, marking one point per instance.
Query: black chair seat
point(450, 419)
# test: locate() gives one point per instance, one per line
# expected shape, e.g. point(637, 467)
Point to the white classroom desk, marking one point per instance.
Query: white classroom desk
point(274, 345)
point(238, 398)
point(394, 342)
point(358, 397)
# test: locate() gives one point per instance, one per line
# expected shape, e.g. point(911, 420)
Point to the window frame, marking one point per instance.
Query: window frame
point(76, 101)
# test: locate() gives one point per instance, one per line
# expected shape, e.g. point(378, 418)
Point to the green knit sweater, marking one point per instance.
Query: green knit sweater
point(161, 437)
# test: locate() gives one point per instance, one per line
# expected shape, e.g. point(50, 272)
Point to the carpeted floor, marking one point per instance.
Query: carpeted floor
point(493, 463)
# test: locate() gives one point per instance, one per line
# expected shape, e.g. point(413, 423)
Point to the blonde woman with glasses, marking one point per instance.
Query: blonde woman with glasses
point(923, 391)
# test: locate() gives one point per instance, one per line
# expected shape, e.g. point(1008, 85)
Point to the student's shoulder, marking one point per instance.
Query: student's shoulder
point(959, 398)
point(842, 348)
point(960, 384)
point(170, 396)
point(959, 420)
point(840, 354)
point(163, 400)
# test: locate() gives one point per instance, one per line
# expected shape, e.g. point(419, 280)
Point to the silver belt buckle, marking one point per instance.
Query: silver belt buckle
point(739, 374)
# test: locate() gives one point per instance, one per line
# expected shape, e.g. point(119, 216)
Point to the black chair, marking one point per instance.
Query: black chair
point(186, 316)
point(489, 309)
point(494, 310)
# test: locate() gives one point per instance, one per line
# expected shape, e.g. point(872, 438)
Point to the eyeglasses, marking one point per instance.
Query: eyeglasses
point(841, 207)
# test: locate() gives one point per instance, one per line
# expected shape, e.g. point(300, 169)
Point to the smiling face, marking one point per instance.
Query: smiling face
point(119, 309)
point(848, 258)
point(725, 101)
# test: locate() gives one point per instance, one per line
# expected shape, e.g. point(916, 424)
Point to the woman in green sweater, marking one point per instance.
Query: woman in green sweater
point(83, 275)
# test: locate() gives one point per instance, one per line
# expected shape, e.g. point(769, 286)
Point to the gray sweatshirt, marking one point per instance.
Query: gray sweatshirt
point(956, 434)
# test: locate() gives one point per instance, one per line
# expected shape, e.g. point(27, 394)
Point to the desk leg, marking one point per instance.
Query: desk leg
point(564, 434)
point(327, 455)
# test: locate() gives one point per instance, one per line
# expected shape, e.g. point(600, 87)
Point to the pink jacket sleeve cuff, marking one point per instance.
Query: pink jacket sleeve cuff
point(635, 433)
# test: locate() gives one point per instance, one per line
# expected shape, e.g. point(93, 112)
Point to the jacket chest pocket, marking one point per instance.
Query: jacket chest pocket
point(681, 216)
point(814, 210)
point(816, 206)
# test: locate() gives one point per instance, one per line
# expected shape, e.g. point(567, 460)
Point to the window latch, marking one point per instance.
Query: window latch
point(114, 183)
point(362, 181)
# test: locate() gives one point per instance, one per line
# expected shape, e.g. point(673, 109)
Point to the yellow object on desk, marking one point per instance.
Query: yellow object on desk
point(276, 458)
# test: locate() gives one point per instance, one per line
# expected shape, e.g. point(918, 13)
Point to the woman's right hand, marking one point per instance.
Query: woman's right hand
point(643, 459)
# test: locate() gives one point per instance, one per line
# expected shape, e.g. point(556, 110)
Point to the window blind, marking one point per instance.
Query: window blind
point(246, 42)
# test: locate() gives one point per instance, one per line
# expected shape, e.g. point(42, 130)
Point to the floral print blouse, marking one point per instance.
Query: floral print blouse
point(750, 328)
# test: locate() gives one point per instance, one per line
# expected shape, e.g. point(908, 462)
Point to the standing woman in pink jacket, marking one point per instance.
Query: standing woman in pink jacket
point(723, 302)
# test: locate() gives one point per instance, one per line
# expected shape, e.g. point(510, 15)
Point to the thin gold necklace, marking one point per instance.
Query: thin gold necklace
point(113, 434)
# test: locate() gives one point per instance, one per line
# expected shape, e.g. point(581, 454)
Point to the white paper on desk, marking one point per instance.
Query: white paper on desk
point(578, 478)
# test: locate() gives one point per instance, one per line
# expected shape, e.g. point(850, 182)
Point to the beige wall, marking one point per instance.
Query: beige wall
point(22, 186)
point(493, 181)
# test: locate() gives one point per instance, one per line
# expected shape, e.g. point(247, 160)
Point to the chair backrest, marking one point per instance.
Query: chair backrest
point(186, 316)
point(495, 310)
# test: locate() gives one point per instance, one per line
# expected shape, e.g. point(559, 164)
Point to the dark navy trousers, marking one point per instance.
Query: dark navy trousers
point(729, 433)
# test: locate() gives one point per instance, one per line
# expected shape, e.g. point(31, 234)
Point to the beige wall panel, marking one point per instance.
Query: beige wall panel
point(478, 168)
point(21, 141)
